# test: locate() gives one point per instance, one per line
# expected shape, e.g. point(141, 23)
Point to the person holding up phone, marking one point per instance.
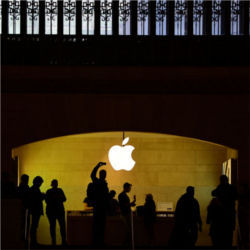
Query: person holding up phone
point(101, 196)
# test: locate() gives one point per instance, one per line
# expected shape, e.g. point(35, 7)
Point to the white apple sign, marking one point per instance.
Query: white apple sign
point(120, 157)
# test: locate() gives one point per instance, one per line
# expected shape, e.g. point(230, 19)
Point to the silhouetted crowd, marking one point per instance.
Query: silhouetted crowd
point(221, 213)
point(32, 201)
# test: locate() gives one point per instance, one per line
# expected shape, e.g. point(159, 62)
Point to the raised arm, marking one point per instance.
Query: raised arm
point(94, 171)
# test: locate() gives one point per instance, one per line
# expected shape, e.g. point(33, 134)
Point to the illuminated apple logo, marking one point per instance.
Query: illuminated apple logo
point(120, 157)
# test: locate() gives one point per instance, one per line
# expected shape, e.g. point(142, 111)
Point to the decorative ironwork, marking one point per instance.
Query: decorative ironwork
point(69, 16)
point(51, 12)
point(88, 8)
point(180, 17)
point(14, 12)
point(235, 17)
point(124, 17)
point(33, 16)
point(216, 10)
point(216, 17)
point(88, 12)
point(198, 12)
point(69, 10)
point(161, 17)
point(106, 10)
point(142, 17)
point(106, 17)
point(124, 10)
point(142, 11)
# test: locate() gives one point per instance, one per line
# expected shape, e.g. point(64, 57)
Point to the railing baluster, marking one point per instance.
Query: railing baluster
point(42, 18)
point(244, 17)
point(23, 17)
point(190, 6)
point(152, 16)
point(79, 18)
point(115, 17)
point(133, 7)
point(226, 17)
point(5, 22)
point(60, 17)
point(97, 17)
point(207, 23)
point(170, 17)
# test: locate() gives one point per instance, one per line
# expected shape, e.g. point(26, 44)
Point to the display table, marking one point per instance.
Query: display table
point(79, 229)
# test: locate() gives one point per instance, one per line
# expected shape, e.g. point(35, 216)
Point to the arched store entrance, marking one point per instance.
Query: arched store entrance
point(165, 165)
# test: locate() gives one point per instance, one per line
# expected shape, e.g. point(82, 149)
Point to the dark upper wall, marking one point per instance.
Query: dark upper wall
point(125, 50)
point(164, 100)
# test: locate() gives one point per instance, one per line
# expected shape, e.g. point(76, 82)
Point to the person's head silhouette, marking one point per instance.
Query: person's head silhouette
point(54, 183)
point(223, 180)
point(25, 179)
point(102, 174)
point(38, 180)
point(112, 193)
point(127, 187)
point(190, 190)
point(149, 197)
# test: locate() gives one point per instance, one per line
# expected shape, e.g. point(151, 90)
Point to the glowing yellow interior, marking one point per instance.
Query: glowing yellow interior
point(165, 165)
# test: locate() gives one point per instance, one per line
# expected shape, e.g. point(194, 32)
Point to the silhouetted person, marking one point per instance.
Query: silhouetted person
point(187, 220)
point(113, 204)
point(36, 198)
point(216, 221)
point(101, 193)
point(8, 188)
point(227, 195)
point(23, 193)
point(126, 212)
point(149, 212)
point(23, 190)
point(55, 211)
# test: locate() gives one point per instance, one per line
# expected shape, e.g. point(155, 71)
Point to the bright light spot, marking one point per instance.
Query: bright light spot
point(120, 157)
point(125, 141)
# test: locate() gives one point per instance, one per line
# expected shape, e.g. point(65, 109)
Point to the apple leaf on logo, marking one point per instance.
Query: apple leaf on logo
point(125, 141)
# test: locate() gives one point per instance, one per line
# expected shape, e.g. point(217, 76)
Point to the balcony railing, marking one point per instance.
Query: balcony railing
point(124, 17)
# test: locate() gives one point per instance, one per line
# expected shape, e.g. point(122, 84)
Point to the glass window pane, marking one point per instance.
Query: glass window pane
point(142, 17)
point(51, 18)
point(14, 17)
point(106, 17)
point(161, 17)
point(216, 17)
point(235, 17)
point(198, 12)
point(180, 17)
point(33, 17)
point(88, 17)
point(124, 17)
point(69, 17)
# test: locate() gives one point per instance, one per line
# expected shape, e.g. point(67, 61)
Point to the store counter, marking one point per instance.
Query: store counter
point(79, 229)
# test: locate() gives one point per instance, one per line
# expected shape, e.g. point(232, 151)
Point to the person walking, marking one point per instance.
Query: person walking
point(55, 198)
